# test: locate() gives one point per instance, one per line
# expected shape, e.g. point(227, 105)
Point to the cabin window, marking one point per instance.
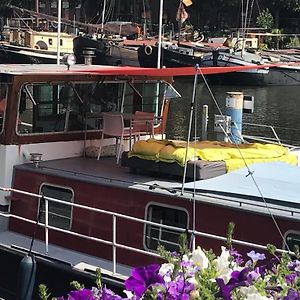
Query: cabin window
point(50, 42)
point(3, 101)
point(75, 106)
point(65, 107)
point(147, 97)
point(60, 215)
point(155, 236)
point(293, 240)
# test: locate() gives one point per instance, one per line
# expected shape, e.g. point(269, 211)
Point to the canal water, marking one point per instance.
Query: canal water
point(277, 106)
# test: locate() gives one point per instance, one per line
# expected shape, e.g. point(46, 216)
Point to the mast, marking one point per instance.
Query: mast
point(160, 34)
point(58, 30)
point(37, 6)
point(103, 16)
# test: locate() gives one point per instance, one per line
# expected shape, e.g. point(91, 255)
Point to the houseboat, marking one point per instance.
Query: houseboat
point(76, 208)
point(34, 47)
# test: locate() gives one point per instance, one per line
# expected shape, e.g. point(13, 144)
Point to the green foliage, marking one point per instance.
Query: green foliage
point(183, 244)
point(230, 231)
point(43, 292)
point(263, 46)
point(98, 278)
point(76, 285)
point(271, 249)
point(265, 19)
point(294, 42)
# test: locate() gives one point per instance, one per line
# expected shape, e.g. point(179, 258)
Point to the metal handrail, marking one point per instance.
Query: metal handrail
point(115, 216)
point(265, 126)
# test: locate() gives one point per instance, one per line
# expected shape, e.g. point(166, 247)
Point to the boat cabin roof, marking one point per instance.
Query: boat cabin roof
point(94, 70)
point(25, 69)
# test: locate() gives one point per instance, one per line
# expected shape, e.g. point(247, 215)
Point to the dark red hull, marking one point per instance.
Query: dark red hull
point(211, 218)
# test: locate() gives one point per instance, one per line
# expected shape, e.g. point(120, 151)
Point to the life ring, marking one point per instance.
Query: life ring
point(148, 50)
point(201, 38)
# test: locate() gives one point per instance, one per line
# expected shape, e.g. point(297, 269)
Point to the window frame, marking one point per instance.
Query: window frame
point(165, 206)
point(7, 87)
point(71, 207)
point(295, 232)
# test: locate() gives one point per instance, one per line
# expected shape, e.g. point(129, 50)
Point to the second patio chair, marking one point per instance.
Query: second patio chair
point(143, 124)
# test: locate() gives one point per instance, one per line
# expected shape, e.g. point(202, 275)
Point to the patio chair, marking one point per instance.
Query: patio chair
point(142, 124)
point(113, 125)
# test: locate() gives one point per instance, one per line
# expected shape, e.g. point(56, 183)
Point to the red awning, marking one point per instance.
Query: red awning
point(167, 72)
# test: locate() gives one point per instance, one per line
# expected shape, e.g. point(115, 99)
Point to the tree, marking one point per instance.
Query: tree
point(265, 19)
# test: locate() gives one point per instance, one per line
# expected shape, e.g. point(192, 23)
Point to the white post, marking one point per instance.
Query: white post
point(204, 122)
point(160, 34)
point(58, 30)
point(46, 225)
point(103, 16)
point(114, 243)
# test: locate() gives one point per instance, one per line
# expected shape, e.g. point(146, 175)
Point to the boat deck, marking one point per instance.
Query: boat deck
point(102, 171)
point(243, 194)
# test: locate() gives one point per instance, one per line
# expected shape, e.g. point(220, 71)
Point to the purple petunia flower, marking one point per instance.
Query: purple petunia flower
point(256, 256)
point(290, 279)
point(179, 289)
point(253, 275)
point(224, 290)
point(294, 265)
point(143, 277)
point(174, 254)
point(83, 294)
point(186, 264)
point(237, 257)
point(292, 295)
point(270, 266)
point(238, 278)
point(107, 294)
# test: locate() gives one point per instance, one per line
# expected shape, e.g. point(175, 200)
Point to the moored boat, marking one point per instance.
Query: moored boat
point(96, 212)
point(284, 73)
point(174, 54)
point(34, 47)
point(110, 47)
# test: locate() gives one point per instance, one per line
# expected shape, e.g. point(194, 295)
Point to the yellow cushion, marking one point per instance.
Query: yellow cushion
point(149, 147)
point(180, 153)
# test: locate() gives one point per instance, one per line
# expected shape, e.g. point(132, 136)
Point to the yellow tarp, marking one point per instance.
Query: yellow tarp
point(234, 156)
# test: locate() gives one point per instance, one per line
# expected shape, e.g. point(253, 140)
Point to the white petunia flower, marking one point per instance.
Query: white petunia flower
point(166, 270)
point(223, 265)
point(185, 258)
point(251, 293)
point(223, 260)
point(128, 294)
point(199, 258)
point(192, 280)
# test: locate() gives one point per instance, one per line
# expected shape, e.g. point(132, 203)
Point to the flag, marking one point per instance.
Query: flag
point(181, 15)
point(187, 2)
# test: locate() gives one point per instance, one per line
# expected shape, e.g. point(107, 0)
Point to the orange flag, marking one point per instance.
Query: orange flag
point(187, 2)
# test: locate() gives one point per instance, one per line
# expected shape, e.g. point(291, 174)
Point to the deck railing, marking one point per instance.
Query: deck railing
point(113, 243)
